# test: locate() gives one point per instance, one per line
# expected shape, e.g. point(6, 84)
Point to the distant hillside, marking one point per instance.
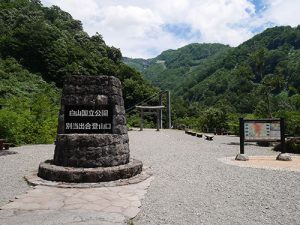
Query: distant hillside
point(260, 77)
point(167, 70)
point(267, 65)
point(213, 73)
point(138, 64)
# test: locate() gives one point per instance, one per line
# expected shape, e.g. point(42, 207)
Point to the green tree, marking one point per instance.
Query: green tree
point(215, 119)
point(258, 59)
point(269, 84)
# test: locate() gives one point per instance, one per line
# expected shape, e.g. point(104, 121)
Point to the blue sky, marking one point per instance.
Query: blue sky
point(260, 5)
point(145, 28)
point(181, 30)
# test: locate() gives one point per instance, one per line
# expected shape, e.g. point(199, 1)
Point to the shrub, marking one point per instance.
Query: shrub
point(25, 121)
point(292, 146)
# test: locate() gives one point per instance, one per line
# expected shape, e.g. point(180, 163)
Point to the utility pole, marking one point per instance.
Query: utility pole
point(160, 113)
point(169, 110)
point(142, 120)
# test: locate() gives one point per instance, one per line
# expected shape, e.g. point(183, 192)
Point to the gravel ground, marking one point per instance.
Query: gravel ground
point(191, 186)
point(14, 167)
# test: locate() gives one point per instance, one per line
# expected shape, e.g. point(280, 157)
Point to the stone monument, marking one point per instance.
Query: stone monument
point(92, 143)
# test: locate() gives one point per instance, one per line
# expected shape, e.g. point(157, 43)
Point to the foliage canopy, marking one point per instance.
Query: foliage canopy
point(259, 77)
point(39, 47)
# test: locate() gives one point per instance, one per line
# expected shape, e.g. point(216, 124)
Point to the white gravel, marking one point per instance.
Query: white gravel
point(191, 186)
point(15, 167)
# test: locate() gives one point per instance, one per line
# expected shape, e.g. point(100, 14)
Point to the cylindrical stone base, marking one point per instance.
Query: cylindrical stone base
point(91, 150)
point(51, 172)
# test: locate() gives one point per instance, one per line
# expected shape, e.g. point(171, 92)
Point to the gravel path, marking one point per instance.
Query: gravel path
point(15, 167)
point(192, 187)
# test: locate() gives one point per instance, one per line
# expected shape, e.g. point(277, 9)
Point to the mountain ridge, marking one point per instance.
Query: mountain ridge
point(260, 77)
point(189, 56)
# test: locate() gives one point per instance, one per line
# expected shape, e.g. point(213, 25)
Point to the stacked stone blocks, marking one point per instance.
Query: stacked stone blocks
point(97, 150)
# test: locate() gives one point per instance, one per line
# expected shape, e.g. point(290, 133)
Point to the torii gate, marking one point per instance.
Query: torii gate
point(158, 110)
point(158, 113)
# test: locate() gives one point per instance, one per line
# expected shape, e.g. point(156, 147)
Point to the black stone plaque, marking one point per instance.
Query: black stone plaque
point(83, 119)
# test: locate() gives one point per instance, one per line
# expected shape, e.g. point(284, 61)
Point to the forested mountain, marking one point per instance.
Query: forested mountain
point(260, 77)
point(212, 84)
point(267, 66)
point(39, 47)
point(167, 70)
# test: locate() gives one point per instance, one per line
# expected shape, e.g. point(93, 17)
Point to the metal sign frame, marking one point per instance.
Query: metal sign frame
point(242, 132)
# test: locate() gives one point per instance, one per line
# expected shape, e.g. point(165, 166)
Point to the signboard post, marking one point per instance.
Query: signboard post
point(242, 136)
point(282, 137)
point(255, 130)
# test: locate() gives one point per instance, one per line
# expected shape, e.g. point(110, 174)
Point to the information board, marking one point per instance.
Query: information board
point(88, 119)
point(256, 130)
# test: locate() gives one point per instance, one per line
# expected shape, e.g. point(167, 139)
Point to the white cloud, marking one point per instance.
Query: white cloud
point(283, 12)
point(82, 10)
point(222, 22)
point(137, 27)
point(132, 21)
